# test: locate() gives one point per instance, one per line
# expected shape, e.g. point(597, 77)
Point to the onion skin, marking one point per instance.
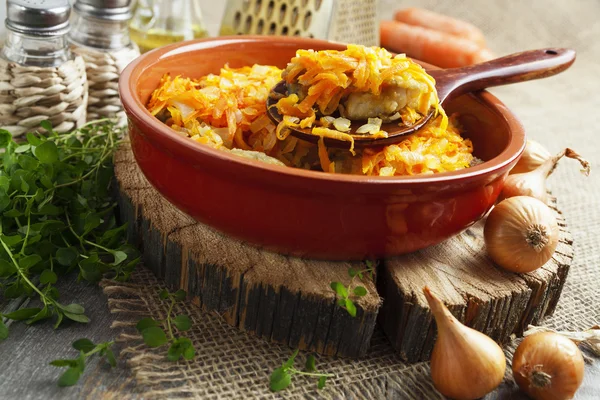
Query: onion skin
point(465, 363)
point(552, 354)
point(533, 183)
point(521, 234)
point(533, 156)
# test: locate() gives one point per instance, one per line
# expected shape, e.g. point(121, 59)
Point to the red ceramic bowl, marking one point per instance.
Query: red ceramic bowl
point(309, 213)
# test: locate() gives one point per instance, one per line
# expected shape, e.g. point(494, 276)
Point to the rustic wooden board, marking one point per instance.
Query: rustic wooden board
point(283, 299)
point(483, 296)
point(289, 300)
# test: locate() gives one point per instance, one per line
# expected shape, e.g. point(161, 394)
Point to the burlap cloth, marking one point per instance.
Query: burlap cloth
point(560, 111)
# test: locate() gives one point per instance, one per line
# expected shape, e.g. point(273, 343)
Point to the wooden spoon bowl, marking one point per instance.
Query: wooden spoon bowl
point(450, 83)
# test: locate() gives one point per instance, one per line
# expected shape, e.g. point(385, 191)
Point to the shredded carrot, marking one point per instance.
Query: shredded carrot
point(329, 76)
point(228, 111)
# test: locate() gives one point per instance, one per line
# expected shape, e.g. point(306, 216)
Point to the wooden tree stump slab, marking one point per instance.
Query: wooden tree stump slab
point(289, 300)
point(283, 299)
point(481, 295)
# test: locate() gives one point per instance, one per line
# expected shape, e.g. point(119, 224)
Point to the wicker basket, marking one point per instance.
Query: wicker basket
point(103, 71)
point(30, 95)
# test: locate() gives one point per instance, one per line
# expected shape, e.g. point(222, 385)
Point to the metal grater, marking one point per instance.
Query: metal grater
point(346, 21)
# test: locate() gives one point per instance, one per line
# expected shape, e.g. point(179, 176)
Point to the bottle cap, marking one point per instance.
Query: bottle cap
point(38, 17)
point(112, 10)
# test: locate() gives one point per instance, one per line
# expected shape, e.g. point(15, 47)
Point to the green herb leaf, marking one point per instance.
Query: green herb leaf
point(66, 256)
point(46, 152)
point(154, 336)
point(33, 139)
point(5, 138)
point(74, 308)
point(339, 289)
point(48, 277)
point(179, 295)
point(47, 125)
point(360, 291)
point(322, 382)
point(11, 241)
point(59, 319)
point(164, 294)
point(182, 322)
point(352, 272)
point(3, 329)
point(7, 268)
point(85, 345)
point(77, 317)
point(110, 357)
point(189, 353)
point(29, 261)
point(174, 352)
point(310, 364)
point(23, 148)
point(145, 323)
point(280, 379)
point(290, 361)
point(22, 314)
point(70, 377)
point(120, 256)
point(350, 307)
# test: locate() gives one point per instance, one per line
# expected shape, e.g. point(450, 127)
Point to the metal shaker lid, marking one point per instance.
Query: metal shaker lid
point(38, 17)
point(113, 10)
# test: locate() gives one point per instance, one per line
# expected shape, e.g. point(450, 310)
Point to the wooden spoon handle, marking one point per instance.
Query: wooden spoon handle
point(518, 67)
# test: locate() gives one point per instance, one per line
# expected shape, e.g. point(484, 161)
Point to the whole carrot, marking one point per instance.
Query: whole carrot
point(434, 47)
point(443, 23)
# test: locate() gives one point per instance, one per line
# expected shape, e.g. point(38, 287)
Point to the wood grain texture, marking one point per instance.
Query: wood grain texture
point(284, 299)
point(26, 353)
point(481, 295)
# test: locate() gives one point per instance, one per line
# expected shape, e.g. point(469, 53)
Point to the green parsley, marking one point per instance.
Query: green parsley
point(282, 377)
point(155, 336)
point(76, 366)
point(346, 293)
point(57, 215)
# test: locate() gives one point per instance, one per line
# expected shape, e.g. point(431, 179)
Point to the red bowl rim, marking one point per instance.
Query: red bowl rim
point(161, 134)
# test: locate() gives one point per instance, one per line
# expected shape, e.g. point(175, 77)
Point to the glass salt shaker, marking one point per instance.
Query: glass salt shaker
point(156, 23)
point(100, 34)
point(40, 78)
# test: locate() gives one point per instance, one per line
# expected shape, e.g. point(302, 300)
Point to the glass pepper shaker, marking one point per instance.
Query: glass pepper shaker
point(40, 78)
point(156, 23)
point(100, 34)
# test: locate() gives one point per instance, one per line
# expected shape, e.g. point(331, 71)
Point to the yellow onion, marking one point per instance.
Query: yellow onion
point(548, 366)
point(465, 363)
point(533, 183)
point(533, 156)
point(521, 234)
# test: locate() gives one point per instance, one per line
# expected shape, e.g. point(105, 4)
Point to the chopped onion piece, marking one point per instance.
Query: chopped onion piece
point(375, 121)
point(185, 110)
point(342, 124)
point(395, 117)
point(368, 128)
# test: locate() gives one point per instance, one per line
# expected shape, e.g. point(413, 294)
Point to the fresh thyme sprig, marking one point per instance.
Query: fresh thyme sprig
point(155, 336)
point(57, 215)
point(282, 377)
point(76, 366)
point(347, 293)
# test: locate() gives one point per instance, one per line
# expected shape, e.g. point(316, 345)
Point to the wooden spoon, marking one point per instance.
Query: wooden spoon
point(450, 83)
